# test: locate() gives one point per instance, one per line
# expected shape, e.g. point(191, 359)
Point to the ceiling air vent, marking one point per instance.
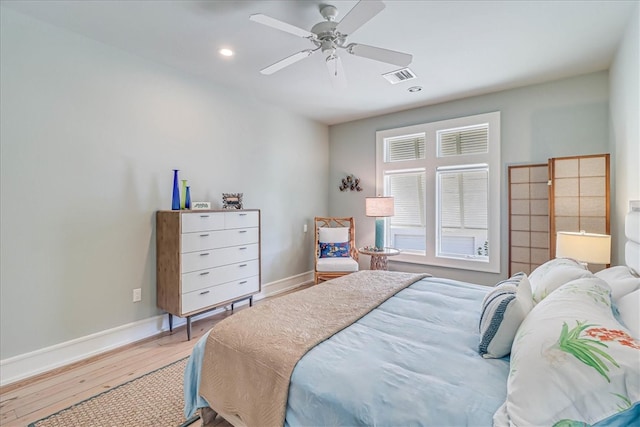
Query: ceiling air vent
point(400, 75)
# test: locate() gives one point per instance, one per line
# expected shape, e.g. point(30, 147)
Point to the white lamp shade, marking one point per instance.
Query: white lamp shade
point(379, 206)
point(584, 247)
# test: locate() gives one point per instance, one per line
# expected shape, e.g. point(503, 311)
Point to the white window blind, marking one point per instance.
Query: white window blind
point(464, 199)
point(410, 147)
point(408, 191)
point(468, 140)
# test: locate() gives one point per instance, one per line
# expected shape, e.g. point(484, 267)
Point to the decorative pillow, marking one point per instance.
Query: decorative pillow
point(333, 234)
point(334, 250)
point(572, 362)
point(621, 280)
point(503, 309)
point(554, 273)
point(629, 311)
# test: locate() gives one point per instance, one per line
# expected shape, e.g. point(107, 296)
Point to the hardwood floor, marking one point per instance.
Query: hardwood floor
point(32, 399)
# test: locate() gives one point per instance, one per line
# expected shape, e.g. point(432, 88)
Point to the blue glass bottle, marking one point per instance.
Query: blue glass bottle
point(187, 198)
point(175, 201)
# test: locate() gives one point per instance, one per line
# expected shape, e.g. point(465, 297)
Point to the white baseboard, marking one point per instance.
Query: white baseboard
point(284, 285)
point(26, 365)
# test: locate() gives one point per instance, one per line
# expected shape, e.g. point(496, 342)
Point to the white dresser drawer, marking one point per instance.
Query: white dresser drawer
point(203, 240)
point(215, 276)
point(203, 221)
point(240, 219)
point(200, 241)
point(203, 260)
point(236, 254)
point(239, 236)
point(214, 295)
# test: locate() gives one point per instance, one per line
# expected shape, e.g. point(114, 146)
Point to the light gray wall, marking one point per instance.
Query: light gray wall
point(625, 129)
point(562, 118)
point(89, 137)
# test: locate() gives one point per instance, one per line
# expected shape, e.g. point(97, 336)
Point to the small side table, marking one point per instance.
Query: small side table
point(379, 258)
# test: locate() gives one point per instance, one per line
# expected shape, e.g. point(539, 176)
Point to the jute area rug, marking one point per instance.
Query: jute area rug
point(155, 400)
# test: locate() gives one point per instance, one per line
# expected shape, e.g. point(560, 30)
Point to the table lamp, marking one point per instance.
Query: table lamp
point(379, 207)
point(584, 247)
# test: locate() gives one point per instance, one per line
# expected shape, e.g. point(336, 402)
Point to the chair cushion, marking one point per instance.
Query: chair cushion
point(334, 250)
point(333, 234)
point(336, 264)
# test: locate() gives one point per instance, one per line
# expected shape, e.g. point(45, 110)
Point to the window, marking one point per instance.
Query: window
point(445, 179)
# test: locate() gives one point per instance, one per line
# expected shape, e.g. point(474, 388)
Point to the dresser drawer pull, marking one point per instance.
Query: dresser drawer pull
point(204, 293)
point(204, 216)
point(243, 248)
point(204, 235)
point(204, 254)
point(242, 283)
point(205, 273)
point(242, 265)
point(243, 214)
point(242, 231)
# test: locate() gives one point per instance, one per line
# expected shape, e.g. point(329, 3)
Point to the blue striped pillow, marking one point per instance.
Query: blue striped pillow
point(503, 309)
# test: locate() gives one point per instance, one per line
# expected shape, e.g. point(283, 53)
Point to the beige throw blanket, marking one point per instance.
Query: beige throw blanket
point(250, 356)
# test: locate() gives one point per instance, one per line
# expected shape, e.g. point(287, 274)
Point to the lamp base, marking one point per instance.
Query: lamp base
point(379, 233)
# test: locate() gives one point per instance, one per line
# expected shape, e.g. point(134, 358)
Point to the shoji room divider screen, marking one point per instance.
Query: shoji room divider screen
point(565, 194)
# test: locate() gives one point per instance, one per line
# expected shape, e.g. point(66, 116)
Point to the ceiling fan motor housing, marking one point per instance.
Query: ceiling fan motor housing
point(329, 12)
point(327, 36)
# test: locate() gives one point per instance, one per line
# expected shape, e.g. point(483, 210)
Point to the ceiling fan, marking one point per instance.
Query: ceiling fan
point(330, 36)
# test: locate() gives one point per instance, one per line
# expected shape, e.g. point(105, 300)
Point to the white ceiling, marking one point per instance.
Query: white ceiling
point(460, 48)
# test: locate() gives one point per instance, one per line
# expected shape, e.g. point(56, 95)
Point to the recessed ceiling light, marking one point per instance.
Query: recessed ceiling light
point(226, 52)
point(415, 89)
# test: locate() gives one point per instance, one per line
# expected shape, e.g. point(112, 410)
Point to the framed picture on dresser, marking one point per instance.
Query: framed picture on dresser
point(231, 200)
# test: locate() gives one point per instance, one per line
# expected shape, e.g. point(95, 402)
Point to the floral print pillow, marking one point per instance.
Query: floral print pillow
point(554, 273)
point(334, 250)
point(572, 363)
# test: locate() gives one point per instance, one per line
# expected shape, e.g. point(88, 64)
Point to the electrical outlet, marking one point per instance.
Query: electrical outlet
point(137, 295)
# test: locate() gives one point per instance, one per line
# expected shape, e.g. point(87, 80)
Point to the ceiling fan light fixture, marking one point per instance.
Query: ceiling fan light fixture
point(330, 36)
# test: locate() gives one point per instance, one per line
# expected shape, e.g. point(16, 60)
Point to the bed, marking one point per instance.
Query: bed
point(559, 347)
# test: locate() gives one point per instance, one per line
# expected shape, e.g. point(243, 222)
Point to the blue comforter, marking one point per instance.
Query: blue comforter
point(411, 361)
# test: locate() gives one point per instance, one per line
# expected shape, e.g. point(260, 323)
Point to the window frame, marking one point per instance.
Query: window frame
point(430, 164)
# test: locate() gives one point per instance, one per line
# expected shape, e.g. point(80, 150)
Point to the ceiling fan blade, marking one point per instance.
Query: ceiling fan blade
point(380, 54)
point(362, 12)
point(286, 62)
point(280, 25)
point(336, 72)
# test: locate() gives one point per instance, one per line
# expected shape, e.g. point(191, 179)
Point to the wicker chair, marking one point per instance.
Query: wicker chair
point(341, 258)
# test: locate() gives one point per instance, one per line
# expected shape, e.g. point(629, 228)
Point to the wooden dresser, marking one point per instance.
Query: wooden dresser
point(206, 259)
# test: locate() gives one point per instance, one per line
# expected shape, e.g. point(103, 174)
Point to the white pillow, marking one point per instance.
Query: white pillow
point(503, 309)
point(629, 308)
point(621, 280)
point(554, 273)
point(572, 362)
point(333, 234)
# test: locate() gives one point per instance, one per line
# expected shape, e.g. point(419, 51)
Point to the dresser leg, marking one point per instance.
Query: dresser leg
point(170, 322)
point(251, 301)
point(188, 328)
point(232, 304)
